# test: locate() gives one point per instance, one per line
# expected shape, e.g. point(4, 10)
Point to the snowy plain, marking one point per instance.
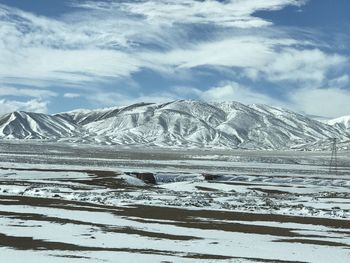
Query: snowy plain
point(71, 203)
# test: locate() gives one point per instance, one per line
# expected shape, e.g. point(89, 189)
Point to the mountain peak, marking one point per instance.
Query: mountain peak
point(343, 121)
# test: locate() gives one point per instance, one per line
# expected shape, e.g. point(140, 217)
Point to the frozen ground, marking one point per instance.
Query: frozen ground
point(67, 203)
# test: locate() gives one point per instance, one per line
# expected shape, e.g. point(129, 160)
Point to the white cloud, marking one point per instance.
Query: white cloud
point(234, 13)
point(26, 92)
point(331, 102)
point(236, 92)
point(114, 39)
point(71, 95)
point(107, 39)
point(308, 65)
point(75, 30)
point(73, 50)
point(34, 105)
point(275, 60)
point(70, 66)
point(235, 52)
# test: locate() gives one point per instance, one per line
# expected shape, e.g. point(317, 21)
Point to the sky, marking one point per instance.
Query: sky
point(60, 55)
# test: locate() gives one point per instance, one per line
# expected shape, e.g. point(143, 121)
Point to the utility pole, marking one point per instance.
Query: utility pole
point(333, 166)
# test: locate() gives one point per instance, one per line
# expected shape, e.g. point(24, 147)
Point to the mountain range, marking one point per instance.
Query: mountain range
point(181, 123)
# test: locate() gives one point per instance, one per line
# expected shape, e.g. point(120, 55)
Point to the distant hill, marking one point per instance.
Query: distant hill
point(182, 123)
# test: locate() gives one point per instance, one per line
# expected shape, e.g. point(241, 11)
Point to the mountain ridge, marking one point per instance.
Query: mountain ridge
point(181, 123)
point(342, 122)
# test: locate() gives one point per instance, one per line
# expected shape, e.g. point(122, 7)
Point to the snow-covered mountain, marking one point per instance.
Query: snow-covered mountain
point(178, 123)
point(342, 122)
point(28, 125)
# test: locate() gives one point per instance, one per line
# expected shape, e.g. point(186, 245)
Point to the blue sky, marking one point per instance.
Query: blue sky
point(60, 55)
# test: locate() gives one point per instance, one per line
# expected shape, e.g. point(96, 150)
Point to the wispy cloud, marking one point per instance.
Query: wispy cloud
point(57, 51)
point(26, 92)
point(24, 99)
point(238, 13)
point(275, 60)
point(233, 91)
point(34, 105)
point(327, 102)
point(305, 66)
point(108, 38)
point(71, 95)
point(100, 41)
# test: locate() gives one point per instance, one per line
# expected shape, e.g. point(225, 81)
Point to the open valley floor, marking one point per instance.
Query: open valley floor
point(83, 203)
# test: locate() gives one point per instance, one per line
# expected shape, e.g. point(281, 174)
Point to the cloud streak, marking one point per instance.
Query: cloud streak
point(99, 42)
point(108, 39)
point(237, 13)
point(34, 105)
point(26, 92)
